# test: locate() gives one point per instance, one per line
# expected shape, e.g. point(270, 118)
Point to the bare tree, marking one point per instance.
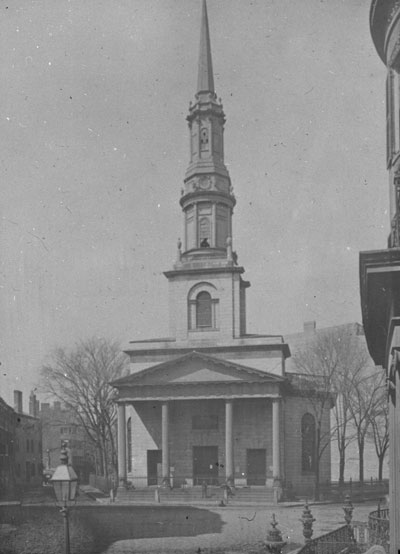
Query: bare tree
point(80, 378)
point(365, 399)
point(329, 360)
point(379, 428)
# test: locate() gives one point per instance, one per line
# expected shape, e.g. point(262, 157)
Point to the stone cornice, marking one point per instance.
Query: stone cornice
point(172, 348)
point(191, 391)
point(203, 270)
point(380, 291)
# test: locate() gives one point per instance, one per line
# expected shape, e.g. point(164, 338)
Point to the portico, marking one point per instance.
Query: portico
point(235, 413)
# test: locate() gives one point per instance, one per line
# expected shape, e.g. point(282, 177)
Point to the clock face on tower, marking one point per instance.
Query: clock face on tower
point(205, 183)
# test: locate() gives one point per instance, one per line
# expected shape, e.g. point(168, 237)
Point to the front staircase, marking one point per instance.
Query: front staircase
point(194, 495)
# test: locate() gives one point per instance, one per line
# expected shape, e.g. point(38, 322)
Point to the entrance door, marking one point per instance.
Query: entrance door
point(154, 458)
point(256, 466)
point(205, 465)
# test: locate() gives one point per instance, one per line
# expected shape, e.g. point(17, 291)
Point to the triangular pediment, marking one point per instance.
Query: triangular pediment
point(196, 367)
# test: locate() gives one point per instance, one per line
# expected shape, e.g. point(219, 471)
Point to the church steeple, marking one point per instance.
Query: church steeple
point(207, 292)
point(207, 197)
point(205, 80)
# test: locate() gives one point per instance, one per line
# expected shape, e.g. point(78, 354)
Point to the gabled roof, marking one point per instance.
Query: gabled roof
point(196, 367)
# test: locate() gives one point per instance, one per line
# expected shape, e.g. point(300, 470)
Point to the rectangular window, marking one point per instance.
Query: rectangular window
point(204, 421)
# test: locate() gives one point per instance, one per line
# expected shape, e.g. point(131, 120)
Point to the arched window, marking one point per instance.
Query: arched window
point(203, 310)
point(203, 304)
point(308, 443)
point(129, 443)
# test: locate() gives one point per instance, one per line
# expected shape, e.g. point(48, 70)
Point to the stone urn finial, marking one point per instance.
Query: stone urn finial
point(348, 510)
point(274, 542)
point(307, 520)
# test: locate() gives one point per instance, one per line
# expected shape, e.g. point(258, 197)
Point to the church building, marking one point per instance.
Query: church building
point(211, 403)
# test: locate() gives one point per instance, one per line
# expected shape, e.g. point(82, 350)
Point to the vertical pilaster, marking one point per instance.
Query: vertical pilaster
point(214, 225)
point(165, 442)
point(196, 225)
point(276, 459)
point(121, 445)
point(229, 460)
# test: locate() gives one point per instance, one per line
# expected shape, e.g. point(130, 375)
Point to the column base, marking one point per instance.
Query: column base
point(166, 483)
point(278, 491)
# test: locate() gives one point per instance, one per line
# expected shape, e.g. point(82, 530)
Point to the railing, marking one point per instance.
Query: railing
point(378, 526)
point(179, 481)
point(369, 489)
point(340, 540)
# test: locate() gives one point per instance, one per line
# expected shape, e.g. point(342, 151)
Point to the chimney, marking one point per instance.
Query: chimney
point(18, 401)
point(57, 405)
point(309, 327)
point(32, 404)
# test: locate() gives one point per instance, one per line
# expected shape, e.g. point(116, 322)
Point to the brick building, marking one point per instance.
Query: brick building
point(61, 427)
point(28, 444)
point(213, 403)
point(7, 437)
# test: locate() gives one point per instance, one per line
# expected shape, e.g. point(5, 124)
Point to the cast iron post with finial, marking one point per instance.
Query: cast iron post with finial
point(274, 542)
point(307, 520)
point(348, 510)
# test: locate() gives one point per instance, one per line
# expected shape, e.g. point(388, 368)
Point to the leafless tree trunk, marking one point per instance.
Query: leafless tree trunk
point(80, 378)
point(379, 429)
point(328, 363)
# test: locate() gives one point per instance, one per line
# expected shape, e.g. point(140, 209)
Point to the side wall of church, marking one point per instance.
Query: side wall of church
point(228, 310)
point(302, 483)
point(145, 435)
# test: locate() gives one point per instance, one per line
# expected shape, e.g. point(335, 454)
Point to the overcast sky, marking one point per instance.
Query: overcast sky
point(94, 146)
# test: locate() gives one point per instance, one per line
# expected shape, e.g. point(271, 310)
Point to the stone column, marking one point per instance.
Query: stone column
point(165, 442)
point(121, 445)
point(276, 459)
point(229, 467)
point(275, 438)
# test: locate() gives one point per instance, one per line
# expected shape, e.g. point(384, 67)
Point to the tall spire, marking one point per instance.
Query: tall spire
point(205, 81)
point(207, 196)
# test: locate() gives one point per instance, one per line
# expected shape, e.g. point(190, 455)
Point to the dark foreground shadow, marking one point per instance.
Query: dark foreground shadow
point(94, 528)
point(109, 524)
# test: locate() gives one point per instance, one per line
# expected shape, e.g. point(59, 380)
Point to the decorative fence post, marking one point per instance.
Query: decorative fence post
point(307, 520)
point(348, 510)
point(274, 542)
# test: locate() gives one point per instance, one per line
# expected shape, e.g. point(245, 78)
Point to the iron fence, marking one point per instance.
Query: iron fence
point(340, 540)
point(378, 527)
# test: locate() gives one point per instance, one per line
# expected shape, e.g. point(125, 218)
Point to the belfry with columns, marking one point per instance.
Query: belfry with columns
point(211, 403)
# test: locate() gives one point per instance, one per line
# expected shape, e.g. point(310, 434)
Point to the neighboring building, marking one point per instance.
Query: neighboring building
point(7, 438)
point(27, 445)
point(299, 342)
point(380, 269)
point(61, 427)
point(212, 402)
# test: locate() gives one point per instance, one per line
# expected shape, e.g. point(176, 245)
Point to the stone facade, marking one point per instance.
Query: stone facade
point(211, 403)
point(379, 269)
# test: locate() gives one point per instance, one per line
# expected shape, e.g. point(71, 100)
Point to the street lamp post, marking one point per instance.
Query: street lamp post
point(64, 481)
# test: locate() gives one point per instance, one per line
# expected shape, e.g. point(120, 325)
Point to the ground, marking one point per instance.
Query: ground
point(111, 529)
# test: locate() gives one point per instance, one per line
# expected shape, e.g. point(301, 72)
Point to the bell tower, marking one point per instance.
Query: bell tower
point(207, 197)
point(207, 293)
